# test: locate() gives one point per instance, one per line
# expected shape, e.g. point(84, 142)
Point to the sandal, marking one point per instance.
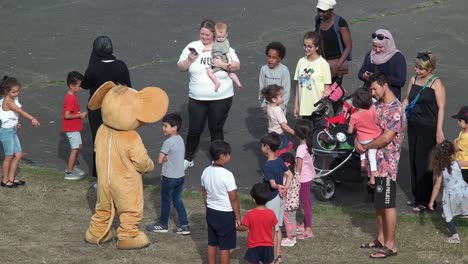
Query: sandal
point(304, 236)
point(382, 253)
point(7, 185)
point(19, 183)
point(375, 244)
point(419, 209)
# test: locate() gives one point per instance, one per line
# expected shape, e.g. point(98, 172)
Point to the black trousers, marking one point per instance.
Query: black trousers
point(216, 111)
point(95, 121)
point(421, 141)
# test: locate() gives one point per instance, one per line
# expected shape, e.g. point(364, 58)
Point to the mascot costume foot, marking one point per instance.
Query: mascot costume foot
point(121, 159)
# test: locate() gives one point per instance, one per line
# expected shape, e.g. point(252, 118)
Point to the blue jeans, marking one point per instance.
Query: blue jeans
point(172, 188)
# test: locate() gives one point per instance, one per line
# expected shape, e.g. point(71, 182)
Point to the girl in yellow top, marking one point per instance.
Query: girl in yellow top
point(312, 75)
point(461, 142)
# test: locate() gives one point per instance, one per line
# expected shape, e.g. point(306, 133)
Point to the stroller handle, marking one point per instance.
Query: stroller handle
point(318, 102)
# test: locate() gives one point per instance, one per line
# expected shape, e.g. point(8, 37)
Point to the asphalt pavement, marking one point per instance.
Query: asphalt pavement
point(43, 40)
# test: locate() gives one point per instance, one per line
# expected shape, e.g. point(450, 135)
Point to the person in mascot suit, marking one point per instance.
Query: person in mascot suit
point(121, 159)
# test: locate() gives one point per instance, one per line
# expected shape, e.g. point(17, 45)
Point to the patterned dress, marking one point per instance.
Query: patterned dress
point(455, 195)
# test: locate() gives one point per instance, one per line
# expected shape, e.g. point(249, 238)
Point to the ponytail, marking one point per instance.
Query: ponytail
point(303, 130)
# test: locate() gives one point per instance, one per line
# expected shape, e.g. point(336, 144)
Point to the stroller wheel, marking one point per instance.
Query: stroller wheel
point(324, 191)
point(322, 140)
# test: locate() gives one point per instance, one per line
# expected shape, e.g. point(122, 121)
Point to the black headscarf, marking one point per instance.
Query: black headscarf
point(102, 50)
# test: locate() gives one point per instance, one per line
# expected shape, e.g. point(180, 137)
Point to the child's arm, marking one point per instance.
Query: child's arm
point(235, 206)
point(298, 165)
point(162, 158)
point(80, 115)
point(12, 106)
point(350, 129)
point(287, 128)
point(463, 163)
point(296, 102)
point(289, 175)
point(435, 191)
point(455, 144)
point(204, 195)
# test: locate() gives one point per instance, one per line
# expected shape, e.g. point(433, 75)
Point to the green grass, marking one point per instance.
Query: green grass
point(45, 221)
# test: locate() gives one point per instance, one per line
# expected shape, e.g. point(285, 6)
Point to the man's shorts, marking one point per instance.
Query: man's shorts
point(259, 255)
point(384, 193)
point(74, 138)
point(221, 229)
point(10, 141)
point(277, 205)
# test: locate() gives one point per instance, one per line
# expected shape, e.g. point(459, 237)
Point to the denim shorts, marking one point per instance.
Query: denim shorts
point(74, 138)
point(284, 142)
point(10, 141)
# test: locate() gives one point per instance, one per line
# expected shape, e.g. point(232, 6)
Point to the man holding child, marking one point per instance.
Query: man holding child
point(391, 120)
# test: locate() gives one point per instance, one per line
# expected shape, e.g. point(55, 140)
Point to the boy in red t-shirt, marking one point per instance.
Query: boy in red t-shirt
point(72, 124)
point(260, 222)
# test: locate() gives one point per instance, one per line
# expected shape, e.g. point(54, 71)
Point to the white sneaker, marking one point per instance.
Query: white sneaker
point(455, 239)
point(72, 176)
point(188, 164)
point(78, 171)
point(286, 242)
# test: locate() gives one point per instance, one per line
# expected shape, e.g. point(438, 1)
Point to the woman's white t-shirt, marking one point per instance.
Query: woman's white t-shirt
point(200, 86)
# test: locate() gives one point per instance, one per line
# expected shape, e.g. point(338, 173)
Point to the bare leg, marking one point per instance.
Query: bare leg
point(14, 165)
point(277, 245)
point(235, 79)
point(379, 213)
point(224, 256)
point(6, 168)
point(389, 228)
point(211, 254)
point(213, 79)
point(72, 159)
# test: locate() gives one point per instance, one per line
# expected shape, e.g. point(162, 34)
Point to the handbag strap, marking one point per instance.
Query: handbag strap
point(415, 100)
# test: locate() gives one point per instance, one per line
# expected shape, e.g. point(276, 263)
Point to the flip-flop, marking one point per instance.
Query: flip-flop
point(376, 244)
point(419, 209)
point(382, 253)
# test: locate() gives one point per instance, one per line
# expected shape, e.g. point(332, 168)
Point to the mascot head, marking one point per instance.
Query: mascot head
point(124, 108)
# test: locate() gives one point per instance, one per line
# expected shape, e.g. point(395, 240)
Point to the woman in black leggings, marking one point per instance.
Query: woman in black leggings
point(204, 102)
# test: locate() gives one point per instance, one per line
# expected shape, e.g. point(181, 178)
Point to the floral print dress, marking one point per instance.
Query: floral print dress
point(455, 194)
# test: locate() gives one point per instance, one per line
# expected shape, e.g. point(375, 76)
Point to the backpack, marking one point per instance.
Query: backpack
point(336, 27)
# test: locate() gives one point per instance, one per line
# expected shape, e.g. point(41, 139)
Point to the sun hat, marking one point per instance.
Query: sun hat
point(326, 4)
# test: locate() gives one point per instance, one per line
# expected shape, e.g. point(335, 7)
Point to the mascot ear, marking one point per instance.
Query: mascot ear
point(96, 100)
point(153, 104)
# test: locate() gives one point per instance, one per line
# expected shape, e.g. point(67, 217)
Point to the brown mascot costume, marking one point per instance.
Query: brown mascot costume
point(121, 159)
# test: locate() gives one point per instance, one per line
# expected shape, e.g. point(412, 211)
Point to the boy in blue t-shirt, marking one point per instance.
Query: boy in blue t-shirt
point(172, 180)
point(274, 171)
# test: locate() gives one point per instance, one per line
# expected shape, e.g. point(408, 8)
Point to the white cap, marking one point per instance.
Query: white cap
point(326, 4)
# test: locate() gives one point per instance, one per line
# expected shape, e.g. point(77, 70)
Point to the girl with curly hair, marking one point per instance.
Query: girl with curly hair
point(455, 193)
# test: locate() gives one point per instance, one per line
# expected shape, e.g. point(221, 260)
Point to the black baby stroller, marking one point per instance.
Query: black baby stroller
point(334, 157)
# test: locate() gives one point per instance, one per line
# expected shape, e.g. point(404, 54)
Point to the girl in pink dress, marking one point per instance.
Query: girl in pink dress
point(364, 122)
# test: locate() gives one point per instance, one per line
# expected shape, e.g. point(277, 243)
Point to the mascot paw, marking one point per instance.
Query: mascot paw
point(138, 242)
point(89, 238)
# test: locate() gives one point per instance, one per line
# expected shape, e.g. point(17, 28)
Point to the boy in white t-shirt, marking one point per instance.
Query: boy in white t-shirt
point(221, 202)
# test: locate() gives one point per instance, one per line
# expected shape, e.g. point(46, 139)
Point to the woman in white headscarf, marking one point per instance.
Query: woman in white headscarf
point(386, 58)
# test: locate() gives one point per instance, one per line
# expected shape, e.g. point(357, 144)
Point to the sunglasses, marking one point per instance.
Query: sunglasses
point(378, 36)
point(321, 11)
point(423, 56)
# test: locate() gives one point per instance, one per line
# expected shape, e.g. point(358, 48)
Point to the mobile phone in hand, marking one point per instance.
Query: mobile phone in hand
point(192, 50)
